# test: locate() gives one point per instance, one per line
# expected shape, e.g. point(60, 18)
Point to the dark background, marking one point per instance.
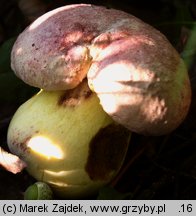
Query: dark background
point(155, 167)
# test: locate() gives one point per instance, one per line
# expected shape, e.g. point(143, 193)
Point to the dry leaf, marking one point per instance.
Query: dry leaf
point(11, 162)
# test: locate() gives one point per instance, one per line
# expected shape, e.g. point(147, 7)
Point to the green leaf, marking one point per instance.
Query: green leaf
point(190, 48)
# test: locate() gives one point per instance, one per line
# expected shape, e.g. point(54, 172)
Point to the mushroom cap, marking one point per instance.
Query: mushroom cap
point(56, 51)
point(146, 89)
point(140, 79)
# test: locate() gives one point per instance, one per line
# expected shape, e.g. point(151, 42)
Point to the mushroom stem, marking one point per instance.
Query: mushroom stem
point(68, 141)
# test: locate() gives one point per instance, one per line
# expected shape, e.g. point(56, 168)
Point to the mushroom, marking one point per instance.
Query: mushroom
point(140, 79)
point(137, 78)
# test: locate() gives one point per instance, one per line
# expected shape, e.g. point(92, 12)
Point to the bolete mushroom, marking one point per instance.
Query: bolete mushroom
point(140, 80)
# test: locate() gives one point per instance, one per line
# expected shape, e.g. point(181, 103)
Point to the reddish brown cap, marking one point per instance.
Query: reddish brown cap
point(139, 77)
point(56, 50)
